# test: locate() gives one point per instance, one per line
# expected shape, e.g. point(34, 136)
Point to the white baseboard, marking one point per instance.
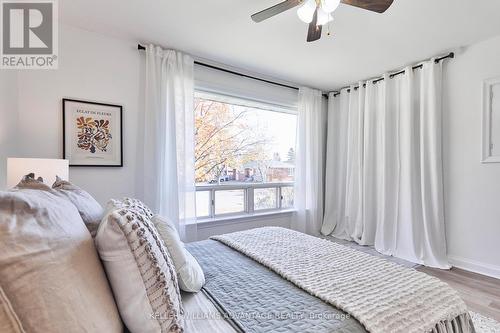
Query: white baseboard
point(475, 266)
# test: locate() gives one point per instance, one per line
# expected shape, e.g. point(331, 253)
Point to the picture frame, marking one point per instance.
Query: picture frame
point(92, 133)
point(491, 121)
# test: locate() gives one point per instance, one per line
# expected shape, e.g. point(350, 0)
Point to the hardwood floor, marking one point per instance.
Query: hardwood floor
point(480, 293)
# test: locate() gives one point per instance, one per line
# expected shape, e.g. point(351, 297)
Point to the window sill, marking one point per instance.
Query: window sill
point(232, 219)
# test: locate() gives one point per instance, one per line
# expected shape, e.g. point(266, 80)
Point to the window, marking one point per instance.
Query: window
point(229, 201)
point(265, 198)
point(244, 156)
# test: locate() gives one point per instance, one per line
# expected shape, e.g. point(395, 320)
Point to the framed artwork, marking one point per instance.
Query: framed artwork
point(92, 133)
point(491, 121)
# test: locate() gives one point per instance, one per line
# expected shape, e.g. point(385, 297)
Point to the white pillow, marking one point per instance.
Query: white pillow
point(189, 272)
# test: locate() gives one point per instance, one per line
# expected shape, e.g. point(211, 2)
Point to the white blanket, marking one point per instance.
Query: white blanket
point(381, 295)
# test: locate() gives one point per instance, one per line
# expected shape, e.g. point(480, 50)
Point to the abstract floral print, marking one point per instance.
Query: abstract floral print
point(93, 134)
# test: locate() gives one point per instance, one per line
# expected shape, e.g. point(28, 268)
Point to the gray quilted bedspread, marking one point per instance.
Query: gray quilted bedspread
point(258, 300)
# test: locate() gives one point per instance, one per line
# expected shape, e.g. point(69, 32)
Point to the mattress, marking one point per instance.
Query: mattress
point(254, 299)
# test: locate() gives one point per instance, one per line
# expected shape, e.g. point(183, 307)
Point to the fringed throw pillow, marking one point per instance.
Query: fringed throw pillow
point(140, 270)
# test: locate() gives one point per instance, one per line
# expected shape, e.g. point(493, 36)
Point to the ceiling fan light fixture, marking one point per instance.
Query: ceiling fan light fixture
point(306, 11)
point(324, 17)
point(317, 13)
point(330, 6)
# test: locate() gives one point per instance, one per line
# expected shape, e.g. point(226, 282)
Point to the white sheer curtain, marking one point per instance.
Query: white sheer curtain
point(169, 186)
point(384, 166)
point(309, 162)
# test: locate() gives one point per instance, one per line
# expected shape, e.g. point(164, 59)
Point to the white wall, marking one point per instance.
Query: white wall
point(472, 189)
point(8, 119)
point(91, 67)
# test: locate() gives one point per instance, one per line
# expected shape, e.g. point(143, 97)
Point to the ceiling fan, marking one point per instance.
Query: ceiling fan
point(319, 12)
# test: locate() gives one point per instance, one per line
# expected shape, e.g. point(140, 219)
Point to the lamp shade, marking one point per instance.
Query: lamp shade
point(48, 169)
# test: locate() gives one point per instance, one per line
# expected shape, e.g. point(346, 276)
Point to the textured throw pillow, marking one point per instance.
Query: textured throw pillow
point(49, 267)
point(138, 205)
point(90, 210)
point(140, 270)
point(189, 272)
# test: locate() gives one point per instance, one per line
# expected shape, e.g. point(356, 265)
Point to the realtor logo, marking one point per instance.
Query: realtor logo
point(29, 34)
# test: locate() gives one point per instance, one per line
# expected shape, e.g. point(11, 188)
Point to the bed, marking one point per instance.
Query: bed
point(256, 282)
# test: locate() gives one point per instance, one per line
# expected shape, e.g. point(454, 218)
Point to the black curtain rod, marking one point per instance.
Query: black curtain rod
point(336, 93)
point(450, 55)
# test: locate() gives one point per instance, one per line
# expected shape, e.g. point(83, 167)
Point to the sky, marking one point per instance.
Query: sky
point(280, 125)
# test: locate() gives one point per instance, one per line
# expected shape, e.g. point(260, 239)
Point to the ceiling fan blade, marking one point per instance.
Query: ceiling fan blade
point(378, 6)
point(314, 32)
point(275, 10)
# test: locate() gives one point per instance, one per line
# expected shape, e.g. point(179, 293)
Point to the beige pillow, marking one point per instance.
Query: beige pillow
point(9, 322)
point(90, 210)
point(29, 182)
point(49, 267)
point(189, 272)
point(140, 270)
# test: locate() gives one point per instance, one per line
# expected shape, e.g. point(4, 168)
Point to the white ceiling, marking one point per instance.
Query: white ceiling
point(364, 44)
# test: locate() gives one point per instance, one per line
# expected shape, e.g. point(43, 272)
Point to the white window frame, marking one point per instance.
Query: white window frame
point(249, 205)
point(235, 100)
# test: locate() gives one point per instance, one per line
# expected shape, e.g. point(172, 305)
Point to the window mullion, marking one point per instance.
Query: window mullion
point(250, 200)
point(212, 203)
point(279, 198)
